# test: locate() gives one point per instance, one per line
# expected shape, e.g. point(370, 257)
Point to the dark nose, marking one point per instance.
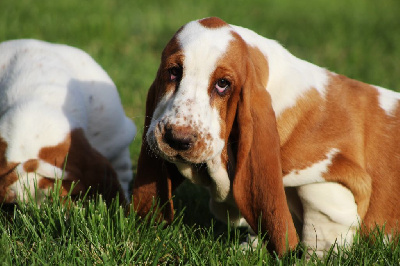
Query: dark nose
point(180, 139)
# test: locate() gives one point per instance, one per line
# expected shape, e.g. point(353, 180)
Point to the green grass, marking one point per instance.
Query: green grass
point(90, 232)
point(359, 38)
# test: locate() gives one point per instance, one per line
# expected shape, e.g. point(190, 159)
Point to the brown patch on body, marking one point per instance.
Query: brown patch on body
point(316, 125)
point(31, 166)
point(294, 117)
point(84, 166)
point(7, 175)
point(351, 120)
point(47, 183)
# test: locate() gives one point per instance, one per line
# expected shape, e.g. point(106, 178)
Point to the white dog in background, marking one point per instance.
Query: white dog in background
point(60, 118)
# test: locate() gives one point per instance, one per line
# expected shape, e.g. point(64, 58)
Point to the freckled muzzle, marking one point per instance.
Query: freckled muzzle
point(179, 138)
point(176, 142)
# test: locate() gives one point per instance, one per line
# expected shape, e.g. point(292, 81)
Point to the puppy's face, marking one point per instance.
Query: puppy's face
point(195, 85)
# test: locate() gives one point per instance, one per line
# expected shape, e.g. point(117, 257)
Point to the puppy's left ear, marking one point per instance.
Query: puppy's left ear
point(258, 186)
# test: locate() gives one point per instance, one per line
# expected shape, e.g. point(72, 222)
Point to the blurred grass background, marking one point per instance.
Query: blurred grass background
point(359, 38)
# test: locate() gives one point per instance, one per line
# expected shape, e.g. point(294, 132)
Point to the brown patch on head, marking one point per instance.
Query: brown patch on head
point(172, 57)
point(233, 66)
point(213, 22)
point(7, 175)
point(83, 164)
point(31, 166)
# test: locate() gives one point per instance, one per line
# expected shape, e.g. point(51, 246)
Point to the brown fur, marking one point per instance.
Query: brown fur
point(351, 120)
point(258, 187)
point(155, 179)
point(213, 22)
point(84, 166)
point(31, 166)
point(7, 174)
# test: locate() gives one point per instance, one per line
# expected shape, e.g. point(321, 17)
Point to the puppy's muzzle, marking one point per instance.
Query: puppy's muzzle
point(179, 138)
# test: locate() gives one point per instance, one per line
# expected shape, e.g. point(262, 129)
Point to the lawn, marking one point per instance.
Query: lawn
point(359, 38)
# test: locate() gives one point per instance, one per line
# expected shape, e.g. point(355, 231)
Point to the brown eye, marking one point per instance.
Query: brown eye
point(222, 85)
point(175, 73)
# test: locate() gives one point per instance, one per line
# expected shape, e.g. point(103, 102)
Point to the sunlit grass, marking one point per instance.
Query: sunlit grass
point(90, 232)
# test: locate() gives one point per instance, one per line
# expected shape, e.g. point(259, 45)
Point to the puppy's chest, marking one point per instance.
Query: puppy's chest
point(197, 174)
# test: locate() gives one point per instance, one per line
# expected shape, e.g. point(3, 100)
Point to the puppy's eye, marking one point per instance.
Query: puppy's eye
point(175, 73)
point(222, 86)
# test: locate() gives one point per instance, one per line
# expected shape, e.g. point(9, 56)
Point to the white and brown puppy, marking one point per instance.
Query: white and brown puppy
point(239, 114)
point(59, 111)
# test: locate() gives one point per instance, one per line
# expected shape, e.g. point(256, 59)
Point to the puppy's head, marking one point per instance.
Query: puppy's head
point(197, 87)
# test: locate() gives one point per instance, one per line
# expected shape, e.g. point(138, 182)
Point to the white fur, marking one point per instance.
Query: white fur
point(25, 188)
point(388, 100)
point(47, 90)
point(330, 214)
point(191, 174)
point(221, 184)
point(311, 174)
point(289, 77)
point(194, 87)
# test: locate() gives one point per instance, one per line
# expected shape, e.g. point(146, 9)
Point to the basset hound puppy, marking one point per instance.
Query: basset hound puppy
point(271, 136)
point(61, 118)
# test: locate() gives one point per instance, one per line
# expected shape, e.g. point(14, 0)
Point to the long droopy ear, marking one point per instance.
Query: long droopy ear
point(155, 179)
point(258, 186)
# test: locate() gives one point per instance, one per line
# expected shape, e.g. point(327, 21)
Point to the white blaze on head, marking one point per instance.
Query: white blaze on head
point(388, 100)
point(189, 105)
point(202, 47)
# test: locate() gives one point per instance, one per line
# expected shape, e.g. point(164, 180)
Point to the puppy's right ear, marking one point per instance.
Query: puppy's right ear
point(155, 179)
